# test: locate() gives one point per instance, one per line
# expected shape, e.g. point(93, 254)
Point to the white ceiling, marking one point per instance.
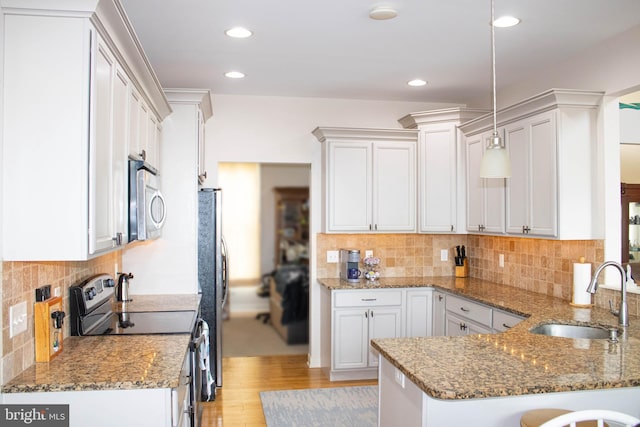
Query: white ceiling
point(332, 49)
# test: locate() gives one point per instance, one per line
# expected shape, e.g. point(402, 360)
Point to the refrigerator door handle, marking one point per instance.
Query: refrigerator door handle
point(225, 272)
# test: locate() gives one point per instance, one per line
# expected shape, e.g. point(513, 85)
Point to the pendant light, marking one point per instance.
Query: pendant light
point(495, 160)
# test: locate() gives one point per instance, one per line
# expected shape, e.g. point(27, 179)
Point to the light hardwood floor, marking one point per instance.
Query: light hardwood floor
point(238, 401)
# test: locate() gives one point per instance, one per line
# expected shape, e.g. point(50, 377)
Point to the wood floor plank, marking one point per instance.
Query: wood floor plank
point(238, 402)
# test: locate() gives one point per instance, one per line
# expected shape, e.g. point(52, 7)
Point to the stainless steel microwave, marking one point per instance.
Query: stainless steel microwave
point(147, 208)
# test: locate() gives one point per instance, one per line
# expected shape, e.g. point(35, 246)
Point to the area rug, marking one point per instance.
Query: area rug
point(340, 406)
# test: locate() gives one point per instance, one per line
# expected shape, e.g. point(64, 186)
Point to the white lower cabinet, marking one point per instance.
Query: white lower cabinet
point(358, 317)
point(439, 312)
point(464, 317)
point(418, 307)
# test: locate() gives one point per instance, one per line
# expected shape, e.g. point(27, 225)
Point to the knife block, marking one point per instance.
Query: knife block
point(463, 270)
point(48, 338)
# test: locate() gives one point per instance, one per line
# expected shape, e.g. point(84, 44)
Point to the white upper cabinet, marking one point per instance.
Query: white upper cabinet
point(369, 178)
point(531, 190)
point(551, 139)
point(68, 172)
point(485, 197)
point(439, 185)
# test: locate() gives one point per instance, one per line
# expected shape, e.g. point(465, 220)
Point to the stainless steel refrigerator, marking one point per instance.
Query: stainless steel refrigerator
point(213, 279)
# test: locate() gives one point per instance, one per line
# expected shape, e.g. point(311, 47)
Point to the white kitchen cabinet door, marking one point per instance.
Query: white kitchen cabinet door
point(394, 187)
point(419, 313)
point(437, 178)
point(531, 189)
point(350, 338)
point(369, 180)
point(101, 209)
point(134, 123)
point(439, 325)
point(108, 205)
point(349, 180)
point(485, 196)
point(153, 141)
point(543, 165)
point(119, 144)
point(458, 326)
point(384, 322)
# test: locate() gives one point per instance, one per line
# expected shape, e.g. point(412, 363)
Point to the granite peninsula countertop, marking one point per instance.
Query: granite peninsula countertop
point(515, 362)
point(114, 362)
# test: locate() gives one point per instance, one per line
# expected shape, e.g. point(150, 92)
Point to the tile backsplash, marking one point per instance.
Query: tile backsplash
point(19, 281)
point(537, 265)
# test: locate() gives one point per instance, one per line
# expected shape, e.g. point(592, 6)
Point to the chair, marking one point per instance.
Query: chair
point(598, 415)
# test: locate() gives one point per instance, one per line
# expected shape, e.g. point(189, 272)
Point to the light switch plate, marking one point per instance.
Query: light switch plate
point(444, 254)
point(17, 319)
point(332, 257)
point(501, 260)
point(368, 253)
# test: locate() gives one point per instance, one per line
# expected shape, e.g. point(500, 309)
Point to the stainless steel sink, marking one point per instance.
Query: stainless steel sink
point(591, 332)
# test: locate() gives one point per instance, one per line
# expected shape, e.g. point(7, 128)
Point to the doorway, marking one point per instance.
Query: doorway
point(250, 221)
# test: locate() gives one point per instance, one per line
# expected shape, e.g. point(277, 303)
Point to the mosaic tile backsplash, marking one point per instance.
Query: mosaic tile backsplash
point(19, 281)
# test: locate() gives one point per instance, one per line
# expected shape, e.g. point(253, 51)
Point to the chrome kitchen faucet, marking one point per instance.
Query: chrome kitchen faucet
point(622, 312)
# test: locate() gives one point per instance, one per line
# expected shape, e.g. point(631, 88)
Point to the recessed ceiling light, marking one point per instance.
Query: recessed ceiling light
point(381, 13)
point(506, 21)
point(238, 33)
point(234, 75)
point(417, 82)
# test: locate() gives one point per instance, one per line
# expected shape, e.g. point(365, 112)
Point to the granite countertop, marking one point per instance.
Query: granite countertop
point(114, 362)
point(514, 362)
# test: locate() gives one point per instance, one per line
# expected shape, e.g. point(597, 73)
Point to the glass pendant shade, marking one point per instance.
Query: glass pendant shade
point(495, 160)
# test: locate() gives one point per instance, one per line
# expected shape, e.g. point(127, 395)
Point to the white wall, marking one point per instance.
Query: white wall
point(271, 176)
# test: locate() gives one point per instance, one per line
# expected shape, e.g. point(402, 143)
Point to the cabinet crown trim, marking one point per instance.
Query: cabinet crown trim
point(349, 134)
point(202, 97)
point(442, 115)
point(545, 101)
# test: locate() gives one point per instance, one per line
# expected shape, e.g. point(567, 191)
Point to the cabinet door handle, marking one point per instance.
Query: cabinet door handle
point(371, 314)
point(370, 227)
point(366, 314)
point(466, 310)
point(504, 325)
point(143, 155)
point(117, 239)
point(440, 297)
point(368, 299)
point(463, 326)
point(376, 227)
point(451, 227)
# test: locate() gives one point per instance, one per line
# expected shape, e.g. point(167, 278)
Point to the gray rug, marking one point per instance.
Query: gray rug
point(341, 406)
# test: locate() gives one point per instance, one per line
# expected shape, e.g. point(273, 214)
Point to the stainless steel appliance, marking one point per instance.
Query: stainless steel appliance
point(213, 279)
point(91, 303)
point(349, 262)
point(147, 208)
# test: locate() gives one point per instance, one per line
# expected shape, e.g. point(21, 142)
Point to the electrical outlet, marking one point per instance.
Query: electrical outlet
point(368, 253)
point(332, 257)
point(501, 260)
point(56, 291)
point(17, 319)
point(444, 255)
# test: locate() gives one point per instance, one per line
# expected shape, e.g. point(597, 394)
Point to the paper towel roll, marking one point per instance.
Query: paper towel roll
point(581, 280)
